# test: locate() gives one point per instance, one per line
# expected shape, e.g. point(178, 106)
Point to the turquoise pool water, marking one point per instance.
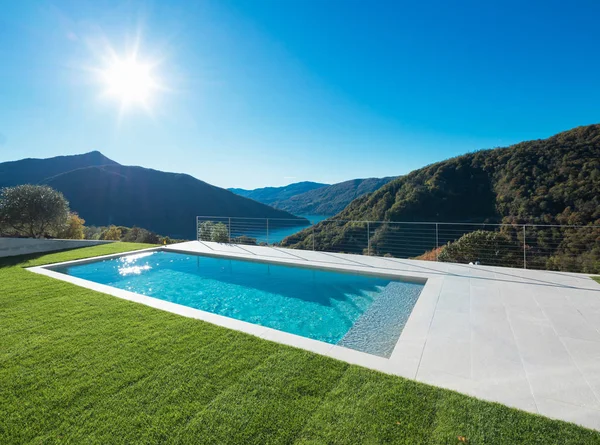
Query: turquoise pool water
point(362, 312)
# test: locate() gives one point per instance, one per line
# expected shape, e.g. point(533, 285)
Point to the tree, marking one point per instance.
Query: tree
point(206, 228)
point(32, 210)
point(113, 233)
point(220, 234)
point(139, 235)
point(73, 228)
point(92, 232)
point(216, 232)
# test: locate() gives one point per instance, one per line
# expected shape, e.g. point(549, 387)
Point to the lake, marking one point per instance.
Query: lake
point(277, 234)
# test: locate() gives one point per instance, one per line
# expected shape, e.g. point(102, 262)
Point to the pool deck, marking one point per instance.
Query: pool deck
point(527, 339)
point(524, 338)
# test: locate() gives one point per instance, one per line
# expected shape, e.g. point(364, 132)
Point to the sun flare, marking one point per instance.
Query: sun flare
point(130, 81)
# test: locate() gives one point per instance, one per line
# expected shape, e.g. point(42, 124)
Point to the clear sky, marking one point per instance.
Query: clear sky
point(257, 93)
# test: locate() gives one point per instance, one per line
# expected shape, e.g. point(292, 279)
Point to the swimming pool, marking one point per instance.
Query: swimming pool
point(362, 312)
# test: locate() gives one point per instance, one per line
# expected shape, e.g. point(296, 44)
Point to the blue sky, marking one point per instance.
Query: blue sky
point(257, 93)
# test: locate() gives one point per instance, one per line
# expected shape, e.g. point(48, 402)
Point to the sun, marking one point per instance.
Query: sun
point(130, 81)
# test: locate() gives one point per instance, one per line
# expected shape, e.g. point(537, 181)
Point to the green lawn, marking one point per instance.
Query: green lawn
point(596, 279)
point(78, 366)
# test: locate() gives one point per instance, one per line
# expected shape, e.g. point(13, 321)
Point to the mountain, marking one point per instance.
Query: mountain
point(312, 198)
point(104, 192)
point(331, 199)
point(33, 171)
point(549, 181)
point(273, 195)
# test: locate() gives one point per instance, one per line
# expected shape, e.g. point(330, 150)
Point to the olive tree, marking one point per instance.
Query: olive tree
point(220, 234)
point(32, 210)
point(216, 232)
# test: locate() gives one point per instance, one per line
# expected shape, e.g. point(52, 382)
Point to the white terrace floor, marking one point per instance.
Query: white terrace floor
point(527, 339)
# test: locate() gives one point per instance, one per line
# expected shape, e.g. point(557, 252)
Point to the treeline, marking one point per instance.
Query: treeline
point(36, 211)
point(127, 234)
point(551, 181)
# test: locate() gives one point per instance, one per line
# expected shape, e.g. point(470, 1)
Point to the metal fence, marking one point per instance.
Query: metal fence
point(574, 248)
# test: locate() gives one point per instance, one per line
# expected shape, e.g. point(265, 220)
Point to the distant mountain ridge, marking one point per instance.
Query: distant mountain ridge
point(104, 192)
point(312, 198)
point(33, 170)
point(331, 199)
point(273, 195)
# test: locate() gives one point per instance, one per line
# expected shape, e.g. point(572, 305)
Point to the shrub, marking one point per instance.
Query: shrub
point(113, 233)
point(92, 232)
point(243, 239)
point(139, 235)
point(73, 228)
point(485, 247)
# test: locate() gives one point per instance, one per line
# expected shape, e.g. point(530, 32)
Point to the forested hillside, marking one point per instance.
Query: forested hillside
point(273, 195)
point(550, 181)
point(331, 199)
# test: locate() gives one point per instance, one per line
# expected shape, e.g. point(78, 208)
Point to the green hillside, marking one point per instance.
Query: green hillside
point(313, 198)
point(550, 181)
point(273, 195)
point(330, 199)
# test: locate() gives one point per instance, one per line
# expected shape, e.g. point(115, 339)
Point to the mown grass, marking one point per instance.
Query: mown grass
point(77, 366)
point(596, 279)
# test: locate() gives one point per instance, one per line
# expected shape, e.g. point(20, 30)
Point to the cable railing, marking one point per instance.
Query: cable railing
point(572, 248)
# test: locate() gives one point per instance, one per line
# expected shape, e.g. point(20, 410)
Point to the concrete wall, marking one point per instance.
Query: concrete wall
point(23, 246)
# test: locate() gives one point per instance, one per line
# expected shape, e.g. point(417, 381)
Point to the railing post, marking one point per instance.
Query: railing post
point(229, 230)
point(313, 233)
point(267, 231)
point(524, 248)
point(437, 241)
point(368, 238)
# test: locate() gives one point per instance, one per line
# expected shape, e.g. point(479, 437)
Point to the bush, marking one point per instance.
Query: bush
point(578, 251)
point(243, 239)
point(92, 232)
point(485, 247)
point(73, 228)
point(113, 233)
point(139, 235)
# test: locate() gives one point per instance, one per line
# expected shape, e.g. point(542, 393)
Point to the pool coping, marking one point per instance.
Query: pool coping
point(405, 357)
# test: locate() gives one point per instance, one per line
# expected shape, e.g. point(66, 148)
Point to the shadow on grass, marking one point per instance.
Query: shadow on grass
point(17, 260)
point(25, 259)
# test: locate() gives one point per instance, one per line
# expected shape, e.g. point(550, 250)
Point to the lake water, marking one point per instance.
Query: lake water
point(276, 234)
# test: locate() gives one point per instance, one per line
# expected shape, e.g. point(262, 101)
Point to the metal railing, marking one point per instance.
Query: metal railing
point(574, 248)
